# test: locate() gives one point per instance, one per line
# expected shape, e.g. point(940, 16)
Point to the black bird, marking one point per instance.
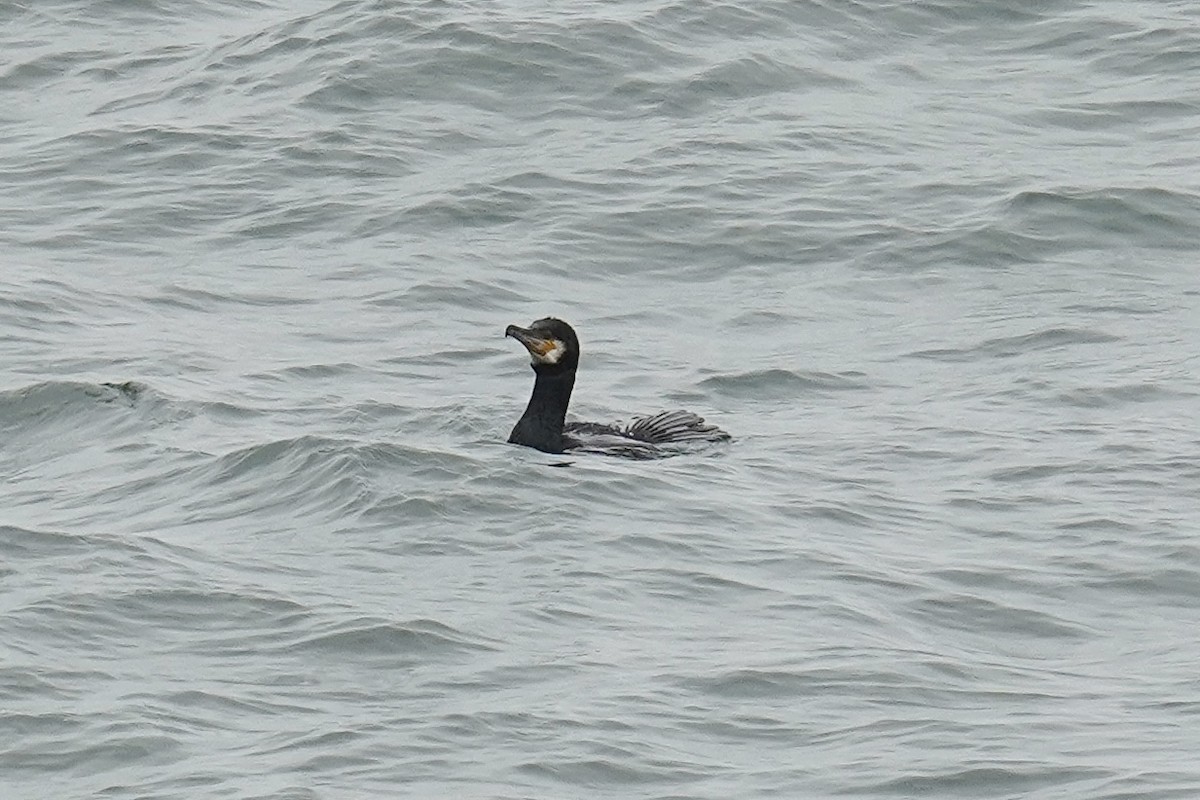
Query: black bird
point(554, 354)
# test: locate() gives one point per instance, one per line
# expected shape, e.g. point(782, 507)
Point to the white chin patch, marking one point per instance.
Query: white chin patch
point(551, 356)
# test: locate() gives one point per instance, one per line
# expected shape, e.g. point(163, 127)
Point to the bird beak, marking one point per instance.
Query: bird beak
point(534, 344)
point(541, 351)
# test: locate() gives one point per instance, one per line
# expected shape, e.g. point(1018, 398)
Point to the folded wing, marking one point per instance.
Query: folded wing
point(674, 426)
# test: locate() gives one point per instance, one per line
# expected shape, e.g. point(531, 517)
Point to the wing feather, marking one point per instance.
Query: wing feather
point(642, 436)
point(674, 426)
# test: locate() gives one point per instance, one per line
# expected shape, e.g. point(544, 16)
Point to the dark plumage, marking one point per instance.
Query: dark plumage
point(554, 354)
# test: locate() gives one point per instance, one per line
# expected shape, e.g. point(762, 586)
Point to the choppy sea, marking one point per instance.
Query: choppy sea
point(934, 265)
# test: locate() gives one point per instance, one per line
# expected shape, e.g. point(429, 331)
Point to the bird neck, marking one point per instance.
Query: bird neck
point(541, 426)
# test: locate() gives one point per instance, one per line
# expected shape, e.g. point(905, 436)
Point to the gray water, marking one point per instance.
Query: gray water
point(932, 264)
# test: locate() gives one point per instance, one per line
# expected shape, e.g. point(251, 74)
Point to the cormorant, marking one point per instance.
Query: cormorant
point(554, 354)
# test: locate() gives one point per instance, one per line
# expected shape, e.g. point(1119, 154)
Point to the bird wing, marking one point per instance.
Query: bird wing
point(673, 426)
point(609, 440)
point(642, 436)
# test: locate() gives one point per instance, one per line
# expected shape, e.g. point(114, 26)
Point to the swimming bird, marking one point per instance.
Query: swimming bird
point(554, 355)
